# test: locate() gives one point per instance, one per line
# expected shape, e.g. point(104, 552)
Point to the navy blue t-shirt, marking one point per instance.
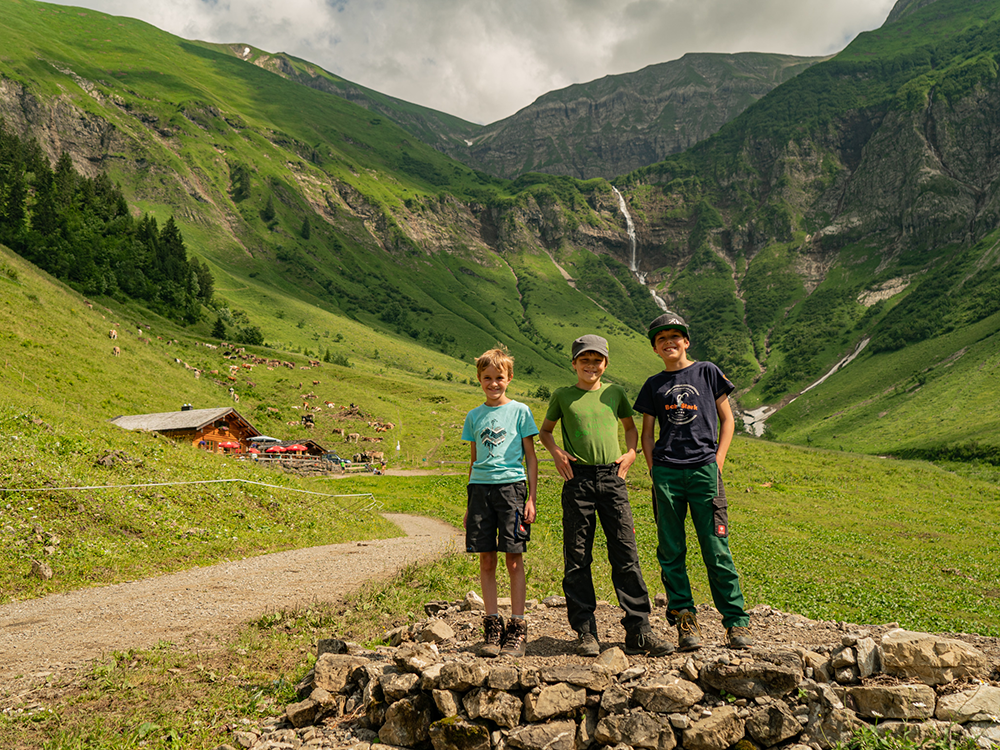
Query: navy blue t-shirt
point(683, 403)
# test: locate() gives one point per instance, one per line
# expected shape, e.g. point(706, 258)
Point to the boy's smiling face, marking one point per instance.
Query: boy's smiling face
point(672, 345)
point(589, 367)
point(494, 382)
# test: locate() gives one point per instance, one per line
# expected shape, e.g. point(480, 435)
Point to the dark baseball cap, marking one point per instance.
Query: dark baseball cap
point(590, 343)
point(665, 321)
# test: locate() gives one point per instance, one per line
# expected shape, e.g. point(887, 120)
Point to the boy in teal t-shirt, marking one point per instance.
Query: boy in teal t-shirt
point(501, 497)
point(593, 469)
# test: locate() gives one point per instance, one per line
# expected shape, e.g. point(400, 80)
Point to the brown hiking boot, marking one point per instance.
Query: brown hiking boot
point(739, 637)
point(644, 641)
point(493, 633)
point(688, 632)
point(516, 638)
point(587, 644)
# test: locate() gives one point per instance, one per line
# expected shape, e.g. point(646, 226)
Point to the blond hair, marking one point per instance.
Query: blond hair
point(497, 357)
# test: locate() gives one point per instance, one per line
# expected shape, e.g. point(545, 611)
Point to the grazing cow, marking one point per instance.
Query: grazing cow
point(352, 437)
point(329, 404)
point(338, 431)
point(113, 334)
point(116, 352)
point(272, 409)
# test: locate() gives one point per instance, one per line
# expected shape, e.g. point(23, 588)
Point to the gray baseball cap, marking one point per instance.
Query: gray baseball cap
point(590, 343)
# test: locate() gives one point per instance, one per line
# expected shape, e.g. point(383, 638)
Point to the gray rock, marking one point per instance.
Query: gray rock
point(586, 729)
point(456, 733)
point(615, 700)
point(302, 713)
point(613, 660)
point(981, 703)
point(333, 672)
point(867, 657)
point(429, 677)
point(753, 679)
point(920, 732)
point(640, 729)
point(435, 631)
point(447, 701)
point(893, 701)
point(667, 694)
point(716, 732)
point(503, 677)
point(554, 700)
point(462, 676)
point(829, 727)
point(498, 706)
point(554, 601)
point(473, 602)
point(930, 659)
point(556, 735)
point(407, 722)
point(772, 724)
point(396, 686)
point(330, 646)
point(589, 676)
point(417, 657)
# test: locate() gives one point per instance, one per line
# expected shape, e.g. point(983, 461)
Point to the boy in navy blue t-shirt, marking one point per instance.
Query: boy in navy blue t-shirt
point(690, 402)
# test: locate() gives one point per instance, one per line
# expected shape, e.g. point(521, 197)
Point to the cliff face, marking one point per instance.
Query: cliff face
point(619, 123)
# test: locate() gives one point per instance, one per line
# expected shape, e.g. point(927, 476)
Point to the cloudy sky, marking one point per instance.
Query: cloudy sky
point(485, 59)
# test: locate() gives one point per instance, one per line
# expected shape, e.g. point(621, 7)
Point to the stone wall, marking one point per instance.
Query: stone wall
point(415, 695)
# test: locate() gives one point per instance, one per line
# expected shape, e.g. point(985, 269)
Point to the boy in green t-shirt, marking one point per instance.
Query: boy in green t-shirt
point(594, 470)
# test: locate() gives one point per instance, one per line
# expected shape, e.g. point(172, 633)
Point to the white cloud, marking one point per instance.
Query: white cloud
point(485, 59)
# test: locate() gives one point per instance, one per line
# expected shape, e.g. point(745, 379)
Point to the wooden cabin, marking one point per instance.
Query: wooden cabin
point(220, 430)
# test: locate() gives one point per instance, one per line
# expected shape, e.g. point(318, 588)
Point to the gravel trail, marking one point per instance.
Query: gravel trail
point(66, 631)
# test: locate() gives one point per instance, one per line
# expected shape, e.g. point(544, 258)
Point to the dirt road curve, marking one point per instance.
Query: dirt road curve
point(68, 630)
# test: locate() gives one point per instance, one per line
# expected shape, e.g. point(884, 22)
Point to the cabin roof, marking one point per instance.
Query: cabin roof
point(192, 419)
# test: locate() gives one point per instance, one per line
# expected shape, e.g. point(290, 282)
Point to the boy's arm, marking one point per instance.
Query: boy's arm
point(472, 460)
point(531, 464)
point(648, 439)
point(562, 458)
point(727, 426)
point(626, 459)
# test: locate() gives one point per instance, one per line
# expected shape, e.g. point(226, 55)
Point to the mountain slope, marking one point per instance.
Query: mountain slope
point(619, 123)
point(857, 202)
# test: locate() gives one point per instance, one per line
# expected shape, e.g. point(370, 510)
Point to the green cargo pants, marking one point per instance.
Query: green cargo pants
point(701, 489)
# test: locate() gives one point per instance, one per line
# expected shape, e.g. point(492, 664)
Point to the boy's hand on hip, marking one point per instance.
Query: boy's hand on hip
point(563, 464)
point(625, 462)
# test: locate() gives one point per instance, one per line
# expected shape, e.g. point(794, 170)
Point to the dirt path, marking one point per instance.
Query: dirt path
point(41, 636)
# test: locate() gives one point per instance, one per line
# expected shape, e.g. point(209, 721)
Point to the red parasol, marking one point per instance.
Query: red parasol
point(274, 449)
point(253, 450)
point(296, 447)
point(229, 444)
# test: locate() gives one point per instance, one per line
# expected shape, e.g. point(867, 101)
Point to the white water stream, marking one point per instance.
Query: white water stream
point(633, 265)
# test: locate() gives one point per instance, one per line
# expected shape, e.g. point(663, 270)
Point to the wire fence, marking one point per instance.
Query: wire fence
point(364, 502)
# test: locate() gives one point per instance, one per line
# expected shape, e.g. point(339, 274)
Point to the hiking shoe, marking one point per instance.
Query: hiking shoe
point(739, 637)
point(644, 641)
point(516, 637)
point(493, 633)
point(688, 632)
point(586, 644)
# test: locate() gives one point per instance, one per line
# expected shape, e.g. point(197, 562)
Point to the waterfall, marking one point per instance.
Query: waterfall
point(634, 266)
point(631, 228)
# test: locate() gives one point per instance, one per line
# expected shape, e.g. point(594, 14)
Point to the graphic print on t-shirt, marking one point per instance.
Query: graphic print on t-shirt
point(493, 436)
point(679, 410)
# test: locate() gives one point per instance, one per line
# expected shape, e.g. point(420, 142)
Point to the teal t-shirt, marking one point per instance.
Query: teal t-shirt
point(589, 421)
point(497, 432)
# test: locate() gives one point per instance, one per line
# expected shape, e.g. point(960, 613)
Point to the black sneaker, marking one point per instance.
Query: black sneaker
point(688, 632)
point(739, 637)
point(516, 637)
point(493, 634)
point(644, 641)
point(586, 644)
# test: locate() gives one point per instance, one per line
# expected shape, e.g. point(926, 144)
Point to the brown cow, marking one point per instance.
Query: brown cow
point(352, 437)
point(113, 334)
point(116, 352)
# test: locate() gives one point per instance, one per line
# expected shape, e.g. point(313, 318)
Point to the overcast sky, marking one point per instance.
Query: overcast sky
point(485, 59)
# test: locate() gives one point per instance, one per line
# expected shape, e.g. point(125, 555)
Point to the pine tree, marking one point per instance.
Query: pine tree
point(219, 329)
point(306, 229)
point(268, 213)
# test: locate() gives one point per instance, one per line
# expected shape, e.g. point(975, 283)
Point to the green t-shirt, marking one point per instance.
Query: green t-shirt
point(589, 421)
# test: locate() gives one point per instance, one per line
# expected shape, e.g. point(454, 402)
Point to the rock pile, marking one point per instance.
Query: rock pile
point(426, 691)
